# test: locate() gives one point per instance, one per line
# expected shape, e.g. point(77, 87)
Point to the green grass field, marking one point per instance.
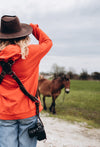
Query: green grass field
point(82, 104)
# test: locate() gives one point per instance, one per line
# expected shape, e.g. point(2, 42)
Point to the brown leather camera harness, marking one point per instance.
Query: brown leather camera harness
point(6, 69)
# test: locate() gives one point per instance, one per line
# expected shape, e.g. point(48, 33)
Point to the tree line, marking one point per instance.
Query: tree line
point(84, 75)
point(72, 75)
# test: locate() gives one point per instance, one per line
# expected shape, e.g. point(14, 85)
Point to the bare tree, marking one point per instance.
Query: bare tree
point(96, 75)
point(84, 75)
point(58, 69)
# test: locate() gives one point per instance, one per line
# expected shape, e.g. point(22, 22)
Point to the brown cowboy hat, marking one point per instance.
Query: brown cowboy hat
point(11, 28)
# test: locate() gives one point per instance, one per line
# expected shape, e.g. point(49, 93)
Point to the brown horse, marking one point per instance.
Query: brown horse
point(53, 89)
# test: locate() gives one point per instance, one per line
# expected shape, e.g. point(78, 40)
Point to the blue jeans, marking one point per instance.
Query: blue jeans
point(14, 133)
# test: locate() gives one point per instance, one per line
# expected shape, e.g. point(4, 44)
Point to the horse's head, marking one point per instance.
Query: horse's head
point(66, 83)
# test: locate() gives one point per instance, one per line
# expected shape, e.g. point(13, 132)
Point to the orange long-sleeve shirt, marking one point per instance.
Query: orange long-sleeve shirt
point(13, 103)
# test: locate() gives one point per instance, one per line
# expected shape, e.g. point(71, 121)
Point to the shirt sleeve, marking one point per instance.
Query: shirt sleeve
point(45, 43)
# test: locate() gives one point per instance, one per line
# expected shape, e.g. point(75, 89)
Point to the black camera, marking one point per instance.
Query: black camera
point(37, 131)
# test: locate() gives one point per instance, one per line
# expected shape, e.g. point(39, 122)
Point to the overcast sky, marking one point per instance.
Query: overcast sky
point(73, 25)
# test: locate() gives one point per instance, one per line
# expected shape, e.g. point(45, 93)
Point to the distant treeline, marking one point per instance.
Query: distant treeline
point(72, 75)
point(84, 76)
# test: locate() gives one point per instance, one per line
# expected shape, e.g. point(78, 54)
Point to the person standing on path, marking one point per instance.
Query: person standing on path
point(17, 111)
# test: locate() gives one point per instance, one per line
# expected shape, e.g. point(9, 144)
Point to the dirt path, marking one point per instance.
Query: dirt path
point(65, 134)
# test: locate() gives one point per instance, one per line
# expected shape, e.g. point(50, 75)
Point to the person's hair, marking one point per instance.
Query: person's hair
point(21, 42)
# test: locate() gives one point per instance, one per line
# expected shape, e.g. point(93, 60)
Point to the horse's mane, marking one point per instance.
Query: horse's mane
point(61, 76)
point(56, 75)
point(42, 79)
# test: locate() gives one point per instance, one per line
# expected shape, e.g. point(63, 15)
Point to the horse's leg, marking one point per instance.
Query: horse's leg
point(44, 104)
point(52, 107)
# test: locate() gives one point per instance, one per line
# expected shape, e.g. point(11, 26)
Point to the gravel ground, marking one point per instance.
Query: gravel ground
point(64, 134)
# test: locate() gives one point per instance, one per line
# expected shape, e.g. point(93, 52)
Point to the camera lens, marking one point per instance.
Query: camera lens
point(32, 132)
point(37, 131)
